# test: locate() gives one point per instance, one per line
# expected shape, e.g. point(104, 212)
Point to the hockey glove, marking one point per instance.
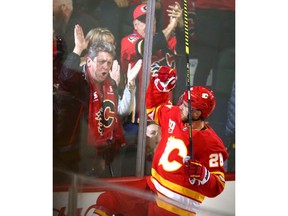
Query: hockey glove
point(164, 78)
point(196, 172)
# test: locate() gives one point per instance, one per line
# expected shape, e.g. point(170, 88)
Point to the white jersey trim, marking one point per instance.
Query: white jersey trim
point(186, 203)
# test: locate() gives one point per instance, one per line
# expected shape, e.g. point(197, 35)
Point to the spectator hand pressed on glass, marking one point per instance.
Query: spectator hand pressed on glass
point(115, 72)
point(132, 73)
point(79, 39)
point(175, 13)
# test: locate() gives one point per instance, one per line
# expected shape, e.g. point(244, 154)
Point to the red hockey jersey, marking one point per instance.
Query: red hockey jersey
point(167, 175)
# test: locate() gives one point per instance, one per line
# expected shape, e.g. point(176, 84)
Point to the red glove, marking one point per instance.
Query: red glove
point(196, 172)
point(164, 77)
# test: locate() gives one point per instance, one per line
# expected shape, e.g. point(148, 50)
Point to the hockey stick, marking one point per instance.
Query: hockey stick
point(188, 74)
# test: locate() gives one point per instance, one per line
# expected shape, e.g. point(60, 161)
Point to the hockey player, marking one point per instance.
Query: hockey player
point(176, 175)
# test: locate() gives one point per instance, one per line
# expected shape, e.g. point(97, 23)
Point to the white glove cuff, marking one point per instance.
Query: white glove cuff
point(206, 177)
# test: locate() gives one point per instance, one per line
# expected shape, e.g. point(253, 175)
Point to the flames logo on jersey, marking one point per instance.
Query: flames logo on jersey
point(173, 146)
point(170, 59)
point(106, 116)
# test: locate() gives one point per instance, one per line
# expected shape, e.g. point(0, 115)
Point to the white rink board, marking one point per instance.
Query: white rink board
point(222, 205)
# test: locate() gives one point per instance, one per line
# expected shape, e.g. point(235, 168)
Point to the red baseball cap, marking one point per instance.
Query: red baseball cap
point(140, 12)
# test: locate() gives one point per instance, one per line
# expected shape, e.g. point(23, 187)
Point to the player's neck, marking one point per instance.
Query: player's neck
point(198, 125)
